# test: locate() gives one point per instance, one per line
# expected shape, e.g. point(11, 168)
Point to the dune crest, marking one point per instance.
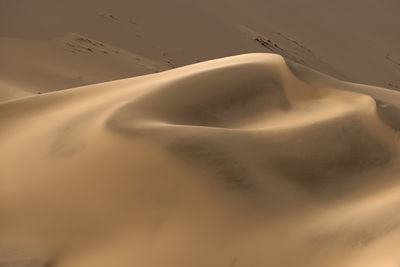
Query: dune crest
point(239, 161)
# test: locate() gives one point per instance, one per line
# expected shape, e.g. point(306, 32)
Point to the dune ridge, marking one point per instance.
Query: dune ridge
point(239, 161)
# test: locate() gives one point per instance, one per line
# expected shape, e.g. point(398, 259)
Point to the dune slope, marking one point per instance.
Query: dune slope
point(240, 161)
point(38, 66)
point(354, 40)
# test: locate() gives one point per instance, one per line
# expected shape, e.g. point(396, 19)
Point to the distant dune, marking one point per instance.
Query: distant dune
point(47, 45)
point(241, 161)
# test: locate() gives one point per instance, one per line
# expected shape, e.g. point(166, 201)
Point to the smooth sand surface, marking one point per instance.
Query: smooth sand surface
point(236, 162)
point(353, 40)
point(30, 67)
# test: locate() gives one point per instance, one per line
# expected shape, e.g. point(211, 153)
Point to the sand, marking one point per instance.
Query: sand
point(246, 161)
point(355, 40)
point(218, 133)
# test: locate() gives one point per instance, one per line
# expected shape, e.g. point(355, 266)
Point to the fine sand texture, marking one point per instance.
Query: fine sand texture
point(243, 161)
point(48, 45)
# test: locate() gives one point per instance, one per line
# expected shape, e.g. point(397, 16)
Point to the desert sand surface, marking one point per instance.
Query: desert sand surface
point(48, 45)
point(214, 133)
point(251, 160)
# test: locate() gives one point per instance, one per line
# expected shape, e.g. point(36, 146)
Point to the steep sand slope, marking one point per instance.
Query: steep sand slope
point(351, 40)
point(231, 162)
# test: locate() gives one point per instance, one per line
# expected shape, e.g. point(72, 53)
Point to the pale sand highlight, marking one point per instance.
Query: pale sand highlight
point(230, 162)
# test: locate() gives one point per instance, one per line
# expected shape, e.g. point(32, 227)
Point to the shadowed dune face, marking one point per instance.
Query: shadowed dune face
point(388, 101)
point(191, 102)
point(231, 162)
point(258, 106)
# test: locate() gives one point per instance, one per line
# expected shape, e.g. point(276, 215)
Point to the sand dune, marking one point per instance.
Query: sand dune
point(240, 161)
point(354, 40)
point(39, 66)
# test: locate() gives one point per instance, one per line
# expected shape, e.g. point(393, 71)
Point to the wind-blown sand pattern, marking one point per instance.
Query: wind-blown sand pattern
point(240, 161)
